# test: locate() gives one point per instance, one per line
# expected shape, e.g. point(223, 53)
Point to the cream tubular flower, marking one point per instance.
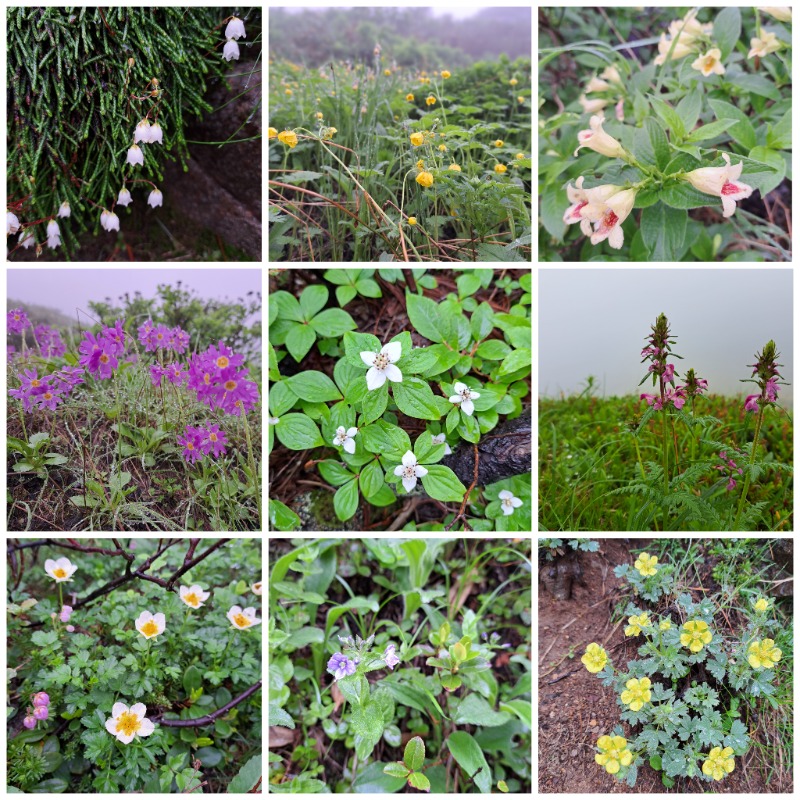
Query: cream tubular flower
point(579, 197)
point(611, 73)
point(242, 619)
point(150, 625)
point(193, 596)
point(409, 470)
point(680, 50)
point(781, 13)
point(723, 182)
point(381, 365)
point(709, 63)
point(62, 570)
point(609, 215)
point(768, 43)
point(126, 723)
point(597, 85)
point(598, 140)
point(592, 106)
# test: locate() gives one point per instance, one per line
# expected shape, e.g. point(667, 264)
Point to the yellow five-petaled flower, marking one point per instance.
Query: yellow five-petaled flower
point(761, 605)
point(764, 654)
point(500, 168)
point(697, 635)
point(646, 564)
point(615, 753)
point(636, 624)
point(288, 138)
point(430, 100)
point(425, 179)
point(417, 138)
point(445, 74)
point(637, 693)
point(595, 658)
point(719, 763)
point(410, 97)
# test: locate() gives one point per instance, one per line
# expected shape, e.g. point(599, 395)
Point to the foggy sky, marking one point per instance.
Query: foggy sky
point(594, 322)
point(69, 289)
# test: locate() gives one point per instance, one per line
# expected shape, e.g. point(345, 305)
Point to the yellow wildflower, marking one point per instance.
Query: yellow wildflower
point(288, 138)
point(412, 220)
point(500, 168)
point(410, 97)
point(455, 168)
point(445, 74)
point(513, 82)
point(697, 635)
point(387, 72)
point(664, 625)
point(288, 92)
point(420, 164)
point(637, 693)
point(646, 564)
point(498, 142)
point(430, 100)
point(425, 179)
point(636, 624)
point(319, 115)
point(761, 605)
point(595, 658)
point(327, 133)
point(519, 156)
point(719, 763)
point(417, 138)
point(520, 99)
point(615, 753)
point(764, 654)
point(272, 133)
point(442, 148)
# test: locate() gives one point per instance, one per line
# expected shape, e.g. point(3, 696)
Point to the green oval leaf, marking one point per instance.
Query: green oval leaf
point(298, 432)
point(414, 754)
point(345, 501)
point(442, 484)
point(415, 399)
point(467, 752)
point(313, 386)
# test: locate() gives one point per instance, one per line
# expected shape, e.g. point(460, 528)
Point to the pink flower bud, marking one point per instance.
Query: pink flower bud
point(41, 699)
point(66, 611)
point(41, 712)
point(29, 722)
point(71, 628)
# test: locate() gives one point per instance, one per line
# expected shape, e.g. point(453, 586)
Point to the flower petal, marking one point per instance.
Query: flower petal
point(420, 471)
point(140, 709)
point(146, 728)
point(368, 358)
point(409, 483)
point(394, 350)
point(459, 387)
point(375, 378)
point(117, 709)
point(393, 373)
point(467, 407)
point(349, 446)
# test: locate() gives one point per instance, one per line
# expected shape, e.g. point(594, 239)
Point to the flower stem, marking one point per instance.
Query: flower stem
point(752, 460)
point(665, 462)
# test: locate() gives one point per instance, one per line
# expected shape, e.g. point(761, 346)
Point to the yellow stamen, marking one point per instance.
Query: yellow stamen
point(128, 723)
point(149, 628)
point(192, 599)
point(241, 621)
point(59, 572)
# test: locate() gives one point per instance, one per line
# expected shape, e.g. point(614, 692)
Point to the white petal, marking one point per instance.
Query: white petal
point(117, 709)
point(456, 398)
point(447, 450)
point(140, 709)
point(125, 738)
point(393, 373)
point(459, 387)
point(336, 441)
point(146, 728)
point(368, 358)
point(375, 378)
point(351, 432)
point(398, 470)
point(473, 394)
point(160, 620)
point(340, 431)
point(467, 407)
point(409, 483)
point(394, 350)
point(111, 726)
point(409, 459)
point(505, 494)
point(516, 502)
point(349, 446)
point(507, 509)
point(438, 439)
point(421, 471)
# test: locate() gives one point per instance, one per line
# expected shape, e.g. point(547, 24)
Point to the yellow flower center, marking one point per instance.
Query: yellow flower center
point(59, 572)
point(709, 62)
point(192, 599)
point(213, 438)
point(230, 385)
point(241, 621)
point(222, 362)
point(149, 628)
point(128, 723)
point(35, 383)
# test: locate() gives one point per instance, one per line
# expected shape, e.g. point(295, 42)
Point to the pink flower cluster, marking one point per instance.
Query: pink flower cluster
point(49, 341)
point(155, 337)
point(216, 377)
point(731, 468)
point(676, 396)
point(40, 711)
point(199, 442)
point(99, 352)
point(175, 373)
point(770, 395)
point(48, 391)
point(17, 320)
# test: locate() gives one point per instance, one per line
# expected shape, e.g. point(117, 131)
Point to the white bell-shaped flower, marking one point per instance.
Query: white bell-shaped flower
point(156, 134)
point(12, 223)
point(26, 239)
point(230, 51)
point(155, 199)
point(112, 222)
point(235, 29)
point(64, 210)
point(53, 234)
point(143, 133)
point(135, 155)
point(124, 198)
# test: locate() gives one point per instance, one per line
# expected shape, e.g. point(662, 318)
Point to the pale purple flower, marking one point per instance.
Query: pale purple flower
point(340, 665)
point(464, 396)
point(410, 471)
point(381, 365)
point(344, 439)
point(508, 502)
point(66, 613)
point(669, 373)
point(751, 403)
point(772, 389)
point(390, 657)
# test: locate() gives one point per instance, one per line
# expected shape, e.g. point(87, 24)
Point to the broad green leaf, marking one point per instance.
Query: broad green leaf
point(313, 386)
point(467, 752)
point(248, 776)
point(299, 340)
point(281, 517)
point(453, 418)
point(773, 159)
point(288, 307)
point(341, 277)
point(333, 322)
point(298, 432)
point(727, 29)
point(414, 754)
point(344, 294)
point(371, 479)
point(743, 131)
point(490, 395)
point(711, 131)
point(357, 343)
point(553, 204)
point(779, 136)
point(366, 722)
point(664, 232)
point(426, 451)
point(345, 501)
point(468, 428)
point(426, 318)
point(446, 358)
point(374, 403)
point(385, 439)
point(415, 399)
point(334, 472)
point(475, 710)
point(368, 288)
point(442, 484)
point(312, 300)
point(301, 176)
point(354, 689)
point(192, 678)
point(397, 769)
point(650, 144)
point(669, 117)
point(417, 780)
point(467, 284)
point(417, 361)
point(689, 108)
point(683, 195)
point(493, 350)
point(481, 321)
point(520, 359)
point(372, 780)
point(281, 398)
point(522, 708)
point(278, 716)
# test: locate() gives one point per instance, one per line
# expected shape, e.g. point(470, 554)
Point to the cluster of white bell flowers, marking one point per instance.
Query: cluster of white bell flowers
point(233, 31)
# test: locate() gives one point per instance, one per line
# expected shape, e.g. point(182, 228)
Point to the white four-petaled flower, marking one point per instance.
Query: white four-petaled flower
point(464, 395)
point(439, 439)
point(231, 50)
point(235, 29)
point(381, 365)
point(410, 471)
point(126, 723)
point(508, 502)
point(344, 439)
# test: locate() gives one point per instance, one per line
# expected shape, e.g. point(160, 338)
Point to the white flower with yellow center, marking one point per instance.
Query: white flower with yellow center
point(150, 625)
point(256, 588)
point(381, 365)
point(61, 570)
point(126, 723)
point(243, 618)
point(193, 596)
point(709, 63)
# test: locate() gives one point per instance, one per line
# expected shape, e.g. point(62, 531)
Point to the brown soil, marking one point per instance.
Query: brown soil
point(575, 709)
